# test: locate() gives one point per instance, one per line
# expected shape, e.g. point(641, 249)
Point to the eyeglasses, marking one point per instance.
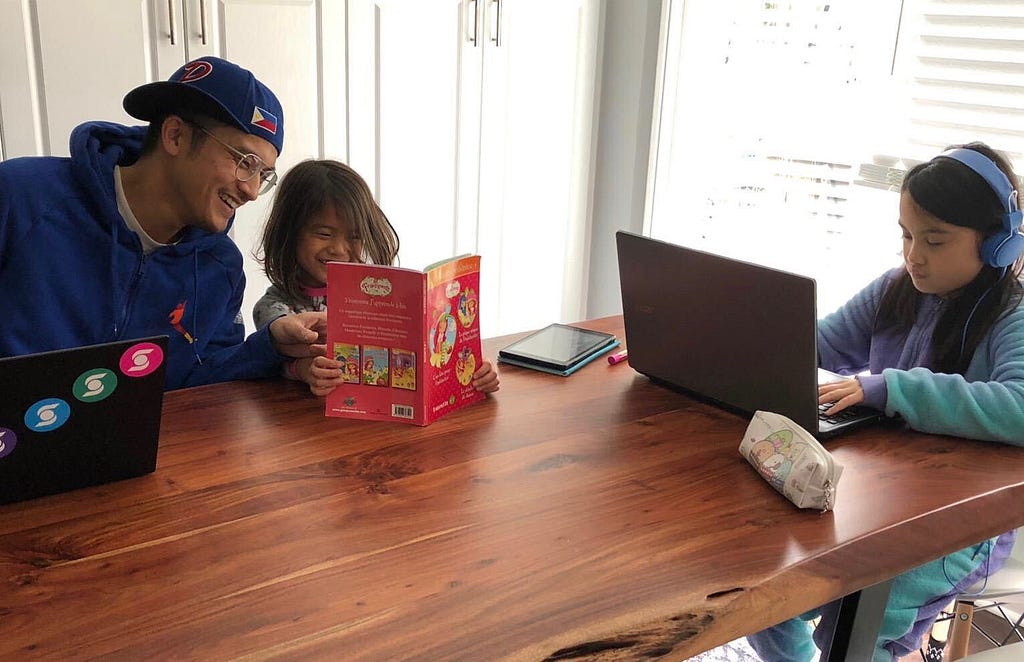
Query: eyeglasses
point(248, 166)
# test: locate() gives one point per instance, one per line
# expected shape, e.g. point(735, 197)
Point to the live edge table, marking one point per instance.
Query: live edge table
point(597, 516)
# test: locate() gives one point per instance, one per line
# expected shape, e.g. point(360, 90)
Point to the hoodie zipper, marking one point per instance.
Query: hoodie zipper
point(130, 295)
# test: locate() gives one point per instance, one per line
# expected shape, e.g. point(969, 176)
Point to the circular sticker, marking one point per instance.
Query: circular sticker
point(95, 385)
point(47, 415)
point(8, 440)
point(141, 359)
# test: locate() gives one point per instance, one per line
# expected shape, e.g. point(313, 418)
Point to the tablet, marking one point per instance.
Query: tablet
point(558, 347)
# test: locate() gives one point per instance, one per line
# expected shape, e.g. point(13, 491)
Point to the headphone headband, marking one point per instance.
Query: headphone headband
point(990, 172)
point(1006, 246)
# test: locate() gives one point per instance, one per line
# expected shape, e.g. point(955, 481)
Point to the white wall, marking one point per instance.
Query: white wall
point(629, 56)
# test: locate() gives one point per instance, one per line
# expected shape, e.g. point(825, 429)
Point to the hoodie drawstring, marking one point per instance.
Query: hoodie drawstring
point(195, 304)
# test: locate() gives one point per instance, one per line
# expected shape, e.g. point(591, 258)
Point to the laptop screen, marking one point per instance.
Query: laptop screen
point(738, 334)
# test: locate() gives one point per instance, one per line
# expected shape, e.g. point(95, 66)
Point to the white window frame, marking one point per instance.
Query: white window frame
point(941, 71)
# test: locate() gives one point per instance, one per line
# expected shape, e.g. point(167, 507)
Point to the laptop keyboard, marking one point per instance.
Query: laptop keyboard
point(839, 417)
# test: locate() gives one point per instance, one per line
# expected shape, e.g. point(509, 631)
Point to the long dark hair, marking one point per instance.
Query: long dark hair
point(954, 193)
point(305, 191)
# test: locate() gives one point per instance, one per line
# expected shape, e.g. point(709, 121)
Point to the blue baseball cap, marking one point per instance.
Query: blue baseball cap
point(218, 88)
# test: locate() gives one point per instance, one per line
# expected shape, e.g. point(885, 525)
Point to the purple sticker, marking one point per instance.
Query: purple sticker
point(141, 359)
point(8, 440)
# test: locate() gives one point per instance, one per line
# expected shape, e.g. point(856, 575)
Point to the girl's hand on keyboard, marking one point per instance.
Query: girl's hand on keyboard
point(843, 394)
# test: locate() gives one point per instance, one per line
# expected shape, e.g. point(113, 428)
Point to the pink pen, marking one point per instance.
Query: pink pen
point(618, 357)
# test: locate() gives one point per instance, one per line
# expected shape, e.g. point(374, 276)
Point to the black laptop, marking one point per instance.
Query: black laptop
point(77, 417)
point(741, 335)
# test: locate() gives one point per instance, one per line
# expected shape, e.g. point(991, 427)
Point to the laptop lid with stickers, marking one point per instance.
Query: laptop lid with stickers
point(77, 417)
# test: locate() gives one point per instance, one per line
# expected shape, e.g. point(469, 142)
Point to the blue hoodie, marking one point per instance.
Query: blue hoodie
point(72, 273)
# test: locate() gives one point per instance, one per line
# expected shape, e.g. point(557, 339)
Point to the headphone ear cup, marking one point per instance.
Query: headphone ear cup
point(1011, 250)
point(1003, 249)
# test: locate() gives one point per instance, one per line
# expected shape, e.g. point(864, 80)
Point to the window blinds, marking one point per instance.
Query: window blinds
point(963, 63)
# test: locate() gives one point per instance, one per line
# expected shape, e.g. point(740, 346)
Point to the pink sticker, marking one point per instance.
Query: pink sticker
point(141, 359)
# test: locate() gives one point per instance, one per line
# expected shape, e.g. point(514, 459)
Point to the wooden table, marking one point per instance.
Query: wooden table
point(591, 516)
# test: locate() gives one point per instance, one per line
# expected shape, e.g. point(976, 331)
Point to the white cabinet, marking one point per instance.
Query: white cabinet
point(472, 122)
point(59, 65)
point(470, 119)
point(73, 61)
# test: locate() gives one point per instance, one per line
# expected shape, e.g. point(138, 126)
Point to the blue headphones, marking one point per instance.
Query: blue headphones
point(1004, 247)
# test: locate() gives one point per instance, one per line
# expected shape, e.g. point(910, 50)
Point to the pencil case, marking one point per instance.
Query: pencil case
point(791, 460)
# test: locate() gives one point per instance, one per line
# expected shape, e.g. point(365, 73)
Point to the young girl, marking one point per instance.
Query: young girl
point(324, 211)
point(940, 343)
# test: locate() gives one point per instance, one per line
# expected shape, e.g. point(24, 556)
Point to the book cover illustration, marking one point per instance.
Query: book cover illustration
point(403, 369)
point(410, 340)
point(350, 356)
point(375, 366)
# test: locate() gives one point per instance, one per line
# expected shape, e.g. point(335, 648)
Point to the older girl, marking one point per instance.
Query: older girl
point(940, 343)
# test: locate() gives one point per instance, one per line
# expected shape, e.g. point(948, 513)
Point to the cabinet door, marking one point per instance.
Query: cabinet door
point(471, 120)
point(297, 48)
point(407, 65)
point(537, 109)
point(71, 62)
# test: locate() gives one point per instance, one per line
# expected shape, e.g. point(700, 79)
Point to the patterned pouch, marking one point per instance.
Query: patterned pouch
point(791, 460)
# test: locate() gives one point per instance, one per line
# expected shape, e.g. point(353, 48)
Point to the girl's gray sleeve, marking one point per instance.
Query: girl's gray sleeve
point(271, 305)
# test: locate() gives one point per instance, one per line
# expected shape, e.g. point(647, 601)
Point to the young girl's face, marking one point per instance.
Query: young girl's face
point(325, 238)
point(940, 257)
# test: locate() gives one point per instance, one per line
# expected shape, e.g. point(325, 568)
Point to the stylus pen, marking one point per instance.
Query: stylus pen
point(618, 357)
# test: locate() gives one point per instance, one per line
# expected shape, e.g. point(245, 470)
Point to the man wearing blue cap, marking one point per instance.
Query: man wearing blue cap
point(127, 238)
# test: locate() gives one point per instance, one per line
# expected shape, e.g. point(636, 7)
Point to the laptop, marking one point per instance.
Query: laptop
point(77, 417)
point(740, 335)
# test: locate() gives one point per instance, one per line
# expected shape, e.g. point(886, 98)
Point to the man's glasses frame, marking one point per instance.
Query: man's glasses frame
point(248, 166)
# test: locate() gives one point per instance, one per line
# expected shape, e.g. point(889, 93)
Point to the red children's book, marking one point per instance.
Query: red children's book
point(409, 340)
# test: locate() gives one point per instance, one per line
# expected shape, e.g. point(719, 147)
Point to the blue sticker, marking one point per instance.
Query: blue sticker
point(47, 415)
point(8, 440)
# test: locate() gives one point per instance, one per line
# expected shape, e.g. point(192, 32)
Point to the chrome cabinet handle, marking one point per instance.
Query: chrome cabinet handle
point(496, 34)
point(473, 38)
point(202, 21)
point(170, 19)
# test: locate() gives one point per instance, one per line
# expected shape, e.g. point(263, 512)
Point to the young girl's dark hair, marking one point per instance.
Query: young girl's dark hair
point(954, 193)
point(305, 191)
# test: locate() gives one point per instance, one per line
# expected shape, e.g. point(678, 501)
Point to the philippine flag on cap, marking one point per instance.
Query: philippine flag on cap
point(264, 119)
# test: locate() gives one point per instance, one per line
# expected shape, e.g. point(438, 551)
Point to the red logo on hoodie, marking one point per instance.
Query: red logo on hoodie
point(175, 318)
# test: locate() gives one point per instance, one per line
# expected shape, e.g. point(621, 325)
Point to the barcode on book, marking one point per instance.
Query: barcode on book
point(401, 411)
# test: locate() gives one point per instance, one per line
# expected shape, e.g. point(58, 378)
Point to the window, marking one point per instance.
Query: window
point(785, 127)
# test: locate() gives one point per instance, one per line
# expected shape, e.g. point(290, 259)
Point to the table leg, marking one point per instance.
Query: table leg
point(860, 617)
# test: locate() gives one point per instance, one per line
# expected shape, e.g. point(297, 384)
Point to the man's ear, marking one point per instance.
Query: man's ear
point(175, 135)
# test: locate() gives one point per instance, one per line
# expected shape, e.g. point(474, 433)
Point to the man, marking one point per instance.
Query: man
point(127, 238)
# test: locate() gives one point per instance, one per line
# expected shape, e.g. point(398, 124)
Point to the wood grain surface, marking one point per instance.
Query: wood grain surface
point(591, 517)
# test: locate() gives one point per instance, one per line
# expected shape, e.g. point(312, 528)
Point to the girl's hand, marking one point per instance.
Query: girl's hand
point(844, 393)
point(321, 373)
point(485, 379)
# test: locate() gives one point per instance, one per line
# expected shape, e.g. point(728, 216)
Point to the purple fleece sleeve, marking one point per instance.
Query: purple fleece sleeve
point(875, 391)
